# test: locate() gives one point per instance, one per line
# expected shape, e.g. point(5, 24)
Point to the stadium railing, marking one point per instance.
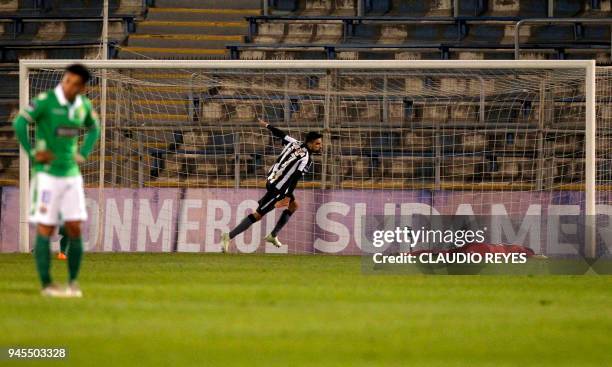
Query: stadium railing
point(349, 39)
point(17, 21)
point(462, 24)
point(75, 49)
point(459, 7)
point(444, 50)
point(350, 22)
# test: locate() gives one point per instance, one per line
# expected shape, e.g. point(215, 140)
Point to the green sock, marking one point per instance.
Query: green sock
point(75, 254)
point(42, 256)
point(63, 240)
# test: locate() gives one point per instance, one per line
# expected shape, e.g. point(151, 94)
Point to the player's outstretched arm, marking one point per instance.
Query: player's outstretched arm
point(276, 131)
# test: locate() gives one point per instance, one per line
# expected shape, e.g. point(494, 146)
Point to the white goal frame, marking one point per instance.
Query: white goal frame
point(26, 66)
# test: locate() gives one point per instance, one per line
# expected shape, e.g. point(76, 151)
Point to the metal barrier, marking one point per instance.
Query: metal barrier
point(349, 22)
point(361, 7)
point(17, 21)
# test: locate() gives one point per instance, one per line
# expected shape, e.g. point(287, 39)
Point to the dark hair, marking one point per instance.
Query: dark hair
point(79, 70)
point(312, 136)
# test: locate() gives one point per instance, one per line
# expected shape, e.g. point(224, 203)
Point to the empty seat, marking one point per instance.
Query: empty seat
point(465, 112)
point(353, 141)
point(358, 168)
point(418, 141)
point(515, 169)
point(86, 8)
point(360, 112)
point(214, 111)
point(463, 168)
point(308, 111)
point(299, 33)
point(434, 113)
point(330, 7)
point(604, 146)
point(328, 33)
point(269, 33)
point(243, 113)
point(252, 142)
point(401, 167)
point(563, 144)
point(568, 170)
point(195, 140)
point(473, 142)
point(519, 141)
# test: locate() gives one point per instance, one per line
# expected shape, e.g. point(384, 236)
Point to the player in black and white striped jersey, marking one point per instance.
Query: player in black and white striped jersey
point(283, 176)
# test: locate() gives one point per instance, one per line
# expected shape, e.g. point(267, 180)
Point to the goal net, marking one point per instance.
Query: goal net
point(603, 192)
point(183, 159)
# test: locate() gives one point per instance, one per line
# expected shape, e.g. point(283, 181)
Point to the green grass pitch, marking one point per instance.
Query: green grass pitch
point(258, 310)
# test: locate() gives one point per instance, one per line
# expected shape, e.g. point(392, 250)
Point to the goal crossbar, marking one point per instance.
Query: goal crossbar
point(315, 64)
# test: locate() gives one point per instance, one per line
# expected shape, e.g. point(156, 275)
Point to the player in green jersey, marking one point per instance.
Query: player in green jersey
point(57, 195)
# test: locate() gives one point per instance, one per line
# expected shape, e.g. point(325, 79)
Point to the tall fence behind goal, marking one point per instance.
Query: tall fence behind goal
point(183, 158)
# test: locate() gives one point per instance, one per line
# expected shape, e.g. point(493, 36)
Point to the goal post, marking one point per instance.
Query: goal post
point(24, 165)
point(358, 100)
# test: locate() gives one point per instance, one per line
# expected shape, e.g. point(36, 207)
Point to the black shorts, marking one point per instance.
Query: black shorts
point(272, 196)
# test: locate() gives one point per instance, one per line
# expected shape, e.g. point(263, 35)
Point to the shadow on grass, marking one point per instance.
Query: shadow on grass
point(19, 291)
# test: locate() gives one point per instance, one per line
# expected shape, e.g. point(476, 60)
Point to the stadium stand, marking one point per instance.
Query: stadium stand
point(347, 29)
point(66, 29)
point(424, 30)
point(50, 29)
point(308, 29)
point(190, 28)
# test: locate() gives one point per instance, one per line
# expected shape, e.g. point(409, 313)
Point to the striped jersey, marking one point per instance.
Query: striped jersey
point(290, 165)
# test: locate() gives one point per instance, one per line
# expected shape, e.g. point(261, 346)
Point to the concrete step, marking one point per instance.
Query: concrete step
point(191, 27)
point(171, 53)
point(209, 4)
point(182, 40)
point(186, 14)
